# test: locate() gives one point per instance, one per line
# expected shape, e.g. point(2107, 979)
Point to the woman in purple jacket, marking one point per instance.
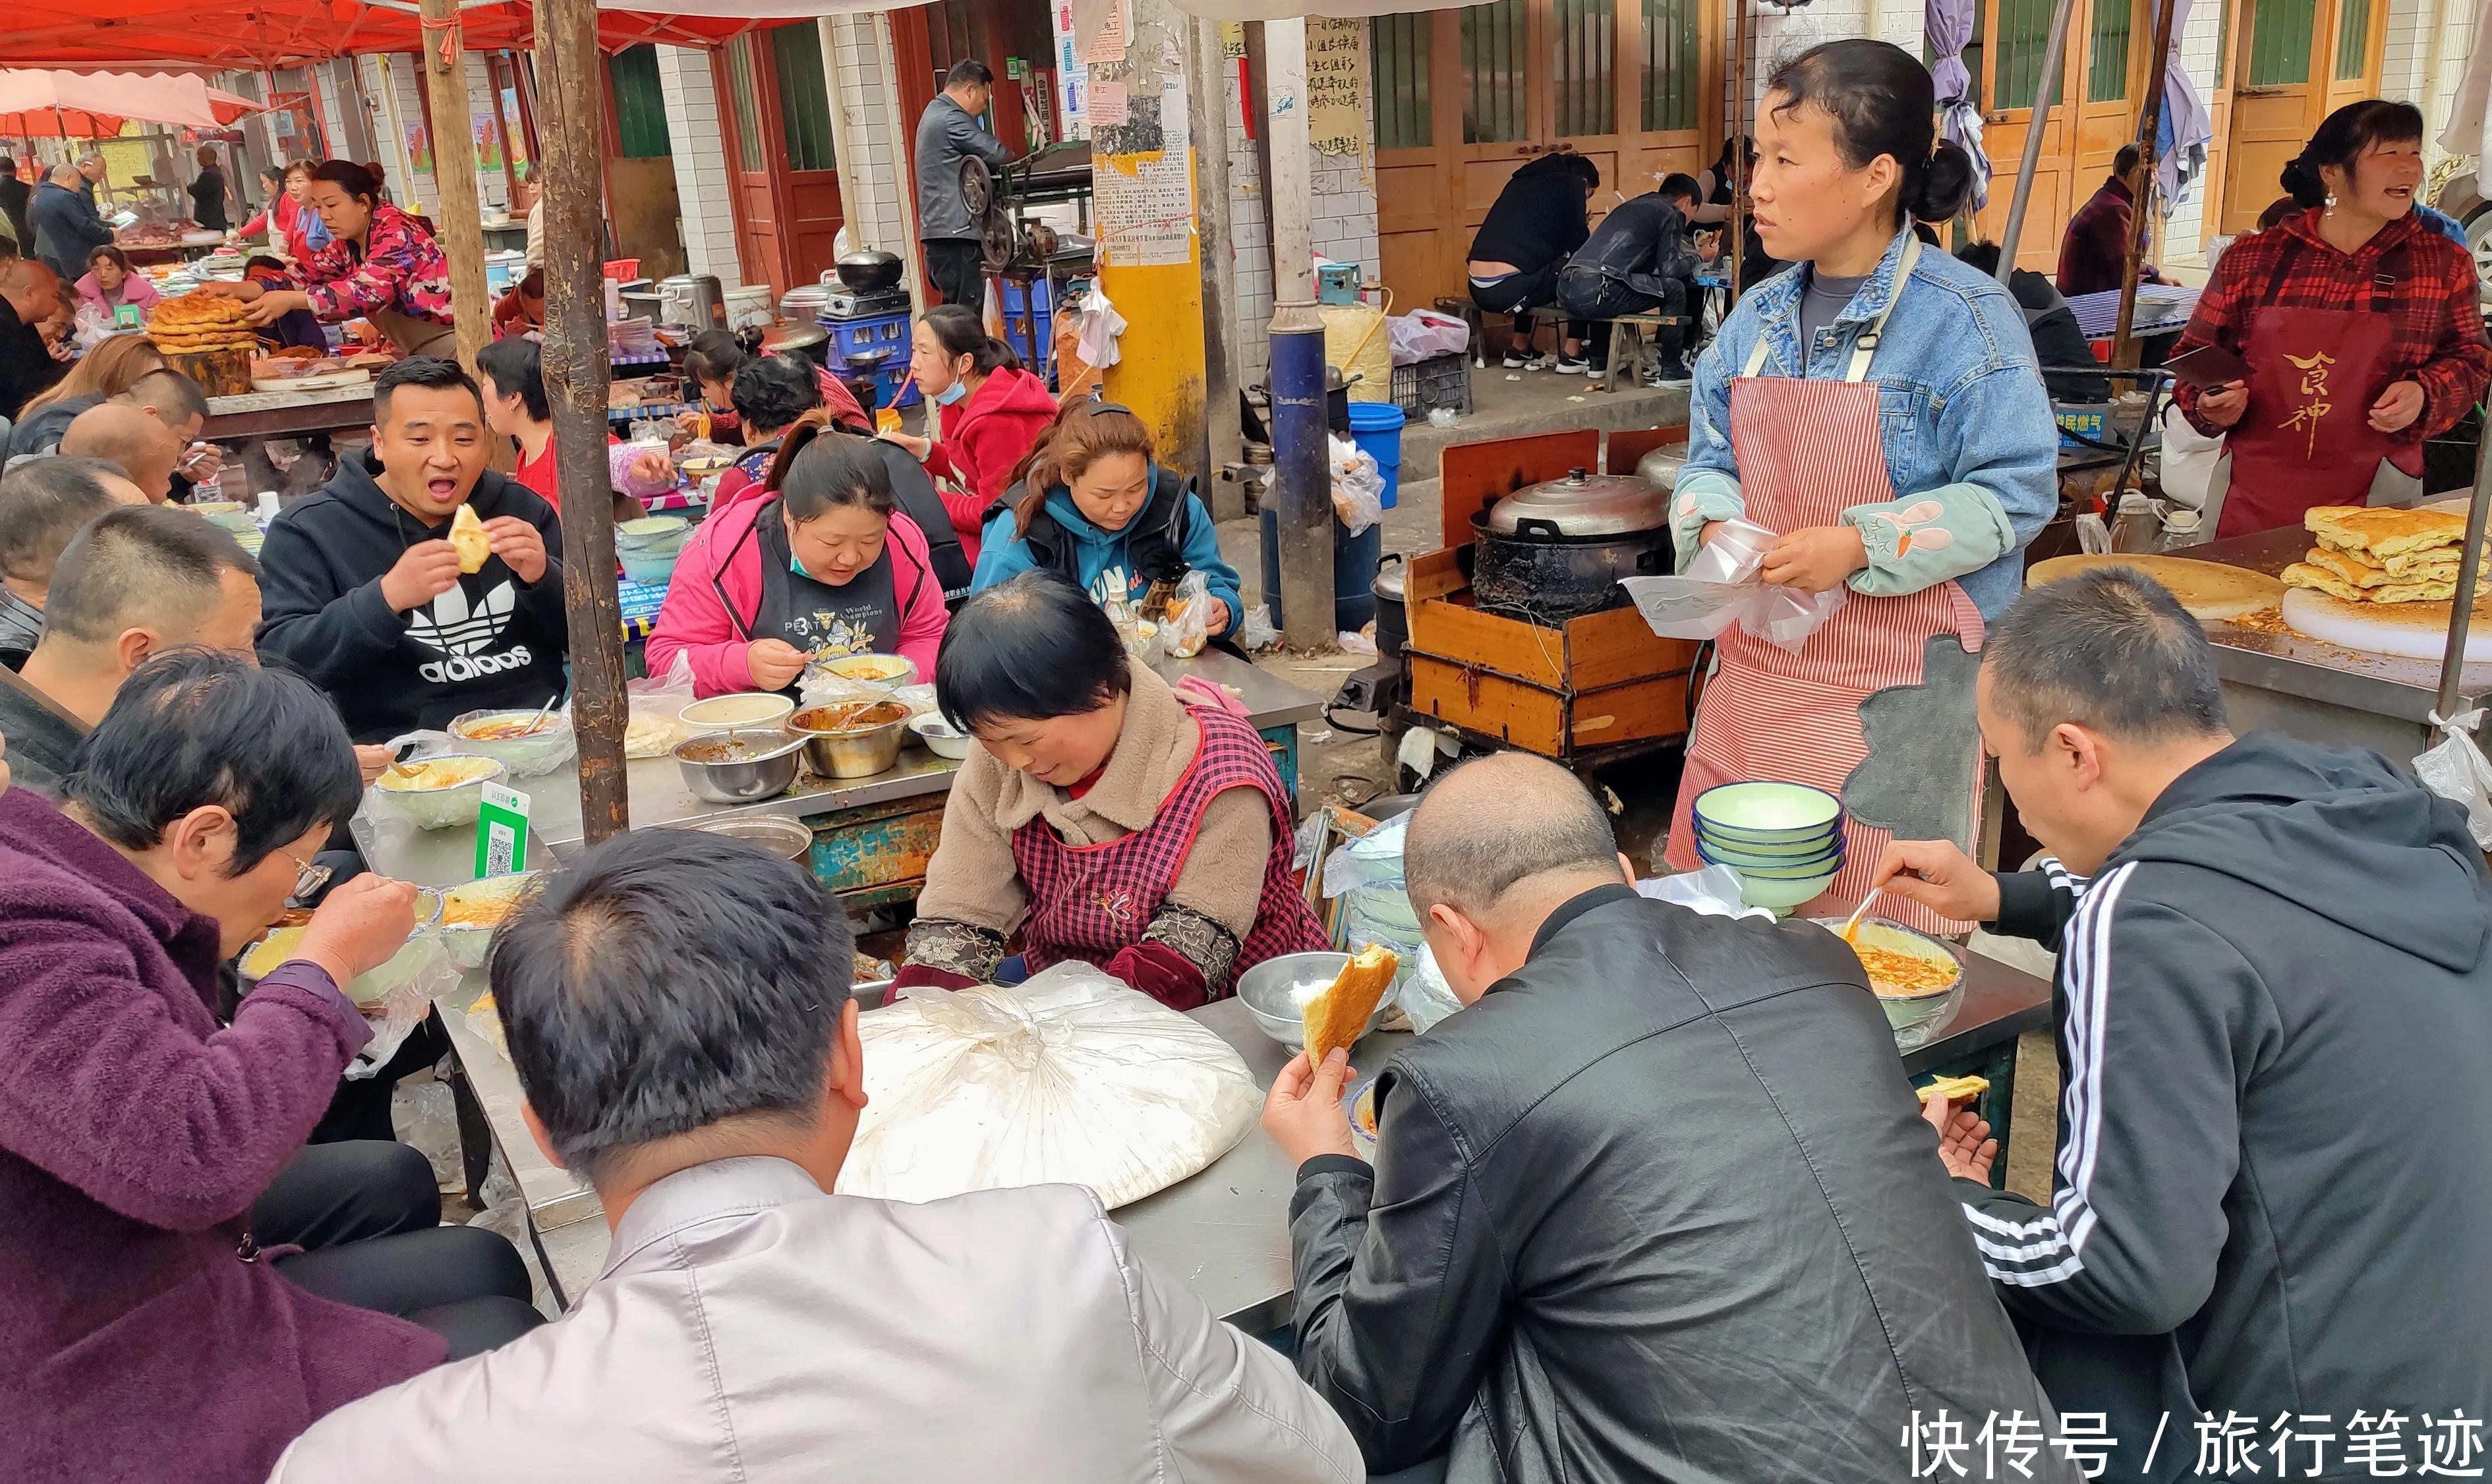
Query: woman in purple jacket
point(152, 1328)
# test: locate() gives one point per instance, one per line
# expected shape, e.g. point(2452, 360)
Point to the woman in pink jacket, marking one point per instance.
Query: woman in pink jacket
point(819, 565)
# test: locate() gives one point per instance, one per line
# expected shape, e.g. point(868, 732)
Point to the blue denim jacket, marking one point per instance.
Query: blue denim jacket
point(1967, 429)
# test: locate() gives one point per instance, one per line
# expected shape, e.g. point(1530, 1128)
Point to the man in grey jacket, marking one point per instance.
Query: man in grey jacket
point(947, 134)
point(1655, 1205)
point(678, 1009)
point(2274, 1007)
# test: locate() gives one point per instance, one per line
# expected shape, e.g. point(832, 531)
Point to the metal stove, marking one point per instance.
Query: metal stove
point(843, 302)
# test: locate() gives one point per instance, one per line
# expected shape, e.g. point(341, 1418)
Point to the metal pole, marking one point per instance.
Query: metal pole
point(2123, 344)
point(1223, 440)
point(1735, 225)
point(2054, 57)
point(575, 368)
point(1301, 473)
point(2461, 605)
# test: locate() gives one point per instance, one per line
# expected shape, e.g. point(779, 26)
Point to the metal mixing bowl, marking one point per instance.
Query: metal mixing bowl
point(1270, 990)
point(853, 752)
point(764, 770)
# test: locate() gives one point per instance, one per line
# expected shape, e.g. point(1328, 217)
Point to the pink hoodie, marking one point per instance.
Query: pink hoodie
point(716, 591)
point(982, 440)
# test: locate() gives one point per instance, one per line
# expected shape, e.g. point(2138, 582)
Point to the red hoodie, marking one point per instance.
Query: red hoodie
point(717, 590)
point(985, 436)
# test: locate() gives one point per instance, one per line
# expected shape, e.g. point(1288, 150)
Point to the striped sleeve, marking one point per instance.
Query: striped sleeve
point(2038, 904)
point(2161, 1016)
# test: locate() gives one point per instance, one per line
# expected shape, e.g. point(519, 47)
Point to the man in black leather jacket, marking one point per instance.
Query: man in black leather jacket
point(1656, 1204)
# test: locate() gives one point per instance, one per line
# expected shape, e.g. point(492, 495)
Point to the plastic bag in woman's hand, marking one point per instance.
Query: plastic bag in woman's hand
point(1184, 624)
point(2455, 769)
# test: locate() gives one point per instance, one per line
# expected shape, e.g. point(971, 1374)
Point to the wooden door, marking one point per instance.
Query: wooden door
point(781, 177)
point(1466, 97)
point(2294, 63)
point(2012, 36)
point(2116, 38)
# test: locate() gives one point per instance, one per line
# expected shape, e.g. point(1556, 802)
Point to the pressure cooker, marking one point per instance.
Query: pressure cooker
point(1555, 551)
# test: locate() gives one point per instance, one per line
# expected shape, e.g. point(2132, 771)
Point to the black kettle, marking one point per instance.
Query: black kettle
point(868, 270)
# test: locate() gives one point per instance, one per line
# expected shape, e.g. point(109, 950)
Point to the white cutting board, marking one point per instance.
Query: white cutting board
point(325, 381)
point(2417, 630)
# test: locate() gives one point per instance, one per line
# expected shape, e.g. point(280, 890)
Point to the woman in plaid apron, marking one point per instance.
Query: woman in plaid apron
point(1877, 407)
point(1104, 815)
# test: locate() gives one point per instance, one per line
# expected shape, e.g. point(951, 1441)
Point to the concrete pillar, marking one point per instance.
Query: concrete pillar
point(1144, 187)
point(704, 203)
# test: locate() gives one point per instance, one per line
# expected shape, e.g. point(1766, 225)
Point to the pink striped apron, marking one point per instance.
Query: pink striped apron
point(1808, 451)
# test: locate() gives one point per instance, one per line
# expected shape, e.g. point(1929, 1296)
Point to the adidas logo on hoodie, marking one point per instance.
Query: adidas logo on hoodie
point(464, 632)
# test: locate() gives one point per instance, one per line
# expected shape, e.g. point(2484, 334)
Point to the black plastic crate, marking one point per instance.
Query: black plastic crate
point(1438, 381)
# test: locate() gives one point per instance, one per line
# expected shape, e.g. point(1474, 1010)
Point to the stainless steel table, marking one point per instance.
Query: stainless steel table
point(2319, 692)
point(447, 857)
point(1225, 1232)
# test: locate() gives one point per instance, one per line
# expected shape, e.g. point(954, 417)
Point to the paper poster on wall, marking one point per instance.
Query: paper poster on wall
point(1072, 76)
point(1337, 86)
point(511, 111)
point(419, 150)
point(488, 145)
point(1099, 29)
point(1146, 211)
point(1176, 126)
point(1108, 106)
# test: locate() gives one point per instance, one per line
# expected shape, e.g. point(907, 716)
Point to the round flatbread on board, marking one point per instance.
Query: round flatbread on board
point(2210, 591)
point(2413, 631)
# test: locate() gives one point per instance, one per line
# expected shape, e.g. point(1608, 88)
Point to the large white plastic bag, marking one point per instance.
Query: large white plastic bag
point(1357, 485)
point(1073, 1078)
point(656, 709)
point(1423, 332)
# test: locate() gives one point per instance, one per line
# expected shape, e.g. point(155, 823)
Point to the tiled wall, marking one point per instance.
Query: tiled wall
point(703, 211)
point(874, 133)
point(2428, 36)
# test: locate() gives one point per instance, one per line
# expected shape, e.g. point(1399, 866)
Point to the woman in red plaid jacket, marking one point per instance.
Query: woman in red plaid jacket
point(2361, 326)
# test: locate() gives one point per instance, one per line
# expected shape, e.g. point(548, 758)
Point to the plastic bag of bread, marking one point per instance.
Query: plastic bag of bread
point(1073, 1078)
point(657, 708)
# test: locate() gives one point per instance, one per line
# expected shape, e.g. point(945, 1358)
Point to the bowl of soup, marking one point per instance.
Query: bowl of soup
point(1918, 979)
point(851, 739)
point(523, 742)
point(370, 990)
point(438, 792)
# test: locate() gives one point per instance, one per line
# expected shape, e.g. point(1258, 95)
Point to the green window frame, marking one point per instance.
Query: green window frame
point(1582, 66)
point(640, 103)
point(2353, 40)
point(1496, 41)
point(2024, 38)
point(2280, 36)
point(1674, 65)
point(804, 95)
point(2107, 51)
point(1397, 47)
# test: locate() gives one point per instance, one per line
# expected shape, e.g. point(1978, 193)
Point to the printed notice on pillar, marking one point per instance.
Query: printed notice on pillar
point(1099, 26)
point(1145, 209)
point(1108, 104)
point(1337, 87)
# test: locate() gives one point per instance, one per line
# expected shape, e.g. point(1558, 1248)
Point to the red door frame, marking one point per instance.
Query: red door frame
point(778, 262)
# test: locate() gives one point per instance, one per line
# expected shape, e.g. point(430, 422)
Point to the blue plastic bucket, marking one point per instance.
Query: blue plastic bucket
point(1375, 427)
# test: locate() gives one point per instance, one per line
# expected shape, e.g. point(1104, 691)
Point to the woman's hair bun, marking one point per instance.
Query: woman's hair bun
point(2301, 181)
point(1946, 186)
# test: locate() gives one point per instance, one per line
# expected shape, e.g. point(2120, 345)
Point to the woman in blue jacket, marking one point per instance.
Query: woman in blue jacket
point(1091, 502)
point(1869, 431)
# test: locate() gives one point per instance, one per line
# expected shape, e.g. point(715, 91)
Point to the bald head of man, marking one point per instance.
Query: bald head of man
point(31, 288)
point(1494, 847)
point(130, 438)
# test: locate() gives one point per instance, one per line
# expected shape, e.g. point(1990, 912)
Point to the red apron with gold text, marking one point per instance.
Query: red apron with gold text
point(2306, 437)
point(1808, 451)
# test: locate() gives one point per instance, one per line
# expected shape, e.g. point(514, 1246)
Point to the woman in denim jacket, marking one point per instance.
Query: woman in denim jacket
point(1869, 428)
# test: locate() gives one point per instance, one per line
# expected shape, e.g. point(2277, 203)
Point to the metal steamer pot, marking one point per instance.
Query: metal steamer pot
point(1555, 552)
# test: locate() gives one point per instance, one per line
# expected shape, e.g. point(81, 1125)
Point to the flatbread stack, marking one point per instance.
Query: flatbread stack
point(195, 323)
point(2385, 556)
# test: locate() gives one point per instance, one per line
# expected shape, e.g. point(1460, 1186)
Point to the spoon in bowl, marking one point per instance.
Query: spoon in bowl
point(1852, 924)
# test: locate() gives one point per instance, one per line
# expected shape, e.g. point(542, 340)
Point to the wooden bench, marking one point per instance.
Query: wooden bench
point(1631, 337)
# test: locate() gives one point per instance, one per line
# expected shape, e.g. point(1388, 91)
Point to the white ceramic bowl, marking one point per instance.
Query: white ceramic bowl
point(1275, 992)
point(1767, 813)
point(430, 806)
point(743, 711)
point(493, 897)
point(939, 736)
point(525, 756)
point(1782, 850)
point(366, 990)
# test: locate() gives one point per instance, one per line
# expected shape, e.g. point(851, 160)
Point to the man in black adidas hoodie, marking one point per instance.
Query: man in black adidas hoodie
point(2274, 1007)
point(362, 592)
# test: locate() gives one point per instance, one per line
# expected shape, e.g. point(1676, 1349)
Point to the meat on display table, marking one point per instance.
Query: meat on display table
point(2320, 692)
point(1225, 1232)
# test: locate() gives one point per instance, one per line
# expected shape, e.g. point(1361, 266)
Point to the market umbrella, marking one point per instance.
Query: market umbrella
point(94, 106)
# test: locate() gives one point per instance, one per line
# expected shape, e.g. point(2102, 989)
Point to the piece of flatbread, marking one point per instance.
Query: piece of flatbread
point(2321, 580)
point(2408, 566)
point(1338, 1015)
point(2384, 532)
point(467, 538)
point(2211, 592)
